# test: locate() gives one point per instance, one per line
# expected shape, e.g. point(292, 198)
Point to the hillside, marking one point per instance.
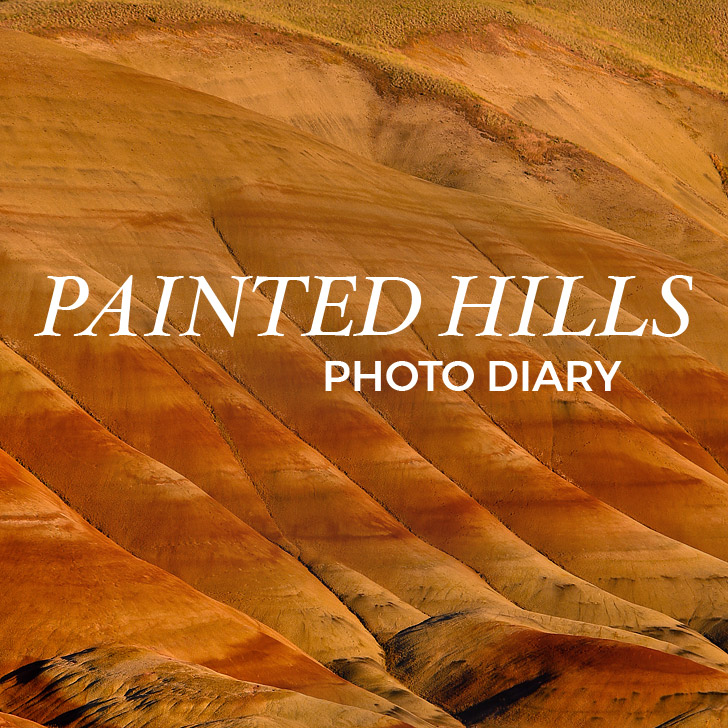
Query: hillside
point(194, 531)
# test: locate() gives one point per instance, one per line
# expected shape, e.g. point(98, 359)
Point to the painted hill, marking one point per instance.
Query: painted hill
point(194, 531)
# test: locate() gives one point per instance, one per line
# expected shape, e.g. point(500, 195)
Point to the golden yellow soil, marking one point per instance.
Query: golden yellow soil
point(12, 721)
point(193, 531)
point(632, 144)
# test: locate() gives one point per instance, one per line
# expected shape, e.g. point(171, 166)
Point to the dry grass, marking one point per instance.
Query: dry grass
point(105, 17)
point(686, 37)
point(721, 169)
point(391, 73)
point(368, 32)
point(397, 76)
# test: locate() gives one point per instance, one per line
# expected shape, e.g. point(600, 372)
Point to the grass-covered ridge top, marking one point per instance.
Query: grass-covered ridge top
point(686, 37)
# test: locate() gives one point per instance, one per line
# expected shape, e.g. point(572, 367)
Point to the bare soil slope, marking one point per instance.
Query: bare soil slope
point(205, 534)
